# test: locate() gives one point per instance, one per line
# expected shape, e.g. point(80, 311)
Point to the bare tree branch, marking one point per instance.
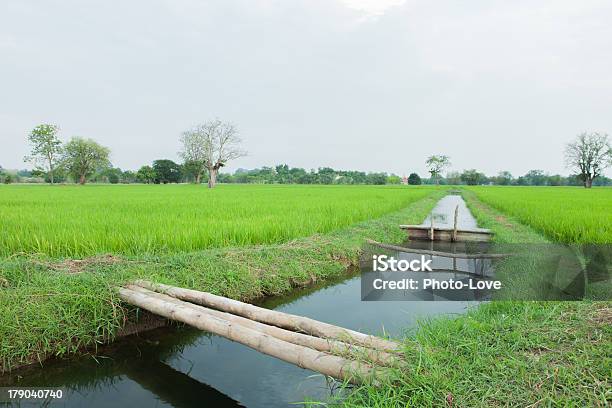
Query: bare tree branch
point(590, 154)
point(212, 144)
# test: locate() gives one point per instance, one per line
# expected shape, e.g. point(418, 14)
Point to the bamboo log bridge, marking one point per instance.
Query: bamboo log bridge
point(331, 350)
point(423, 232)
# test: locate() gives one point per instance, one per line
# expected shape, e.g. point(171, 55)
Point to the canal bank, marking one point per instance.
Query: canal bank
point(58, 307)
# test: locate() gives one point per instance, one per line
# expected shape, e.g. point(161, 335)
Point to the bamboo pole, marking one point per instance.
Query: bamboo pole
point(303, 357)
point(431, 229)
point(454, 237)
point(273, 317)
point(317, 343)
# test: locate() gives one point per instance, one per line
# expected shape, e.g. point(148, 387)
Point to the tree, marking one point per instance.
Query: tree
point(326, 175)
point(282, 174)
point(503, 178)
point(192, 170)
point(166, 171)
point(590, 154)
point(394, 179)
point(437, 164)
point(113, 175)
point(146, 175)
point(128, 176)
point(82, 157)
point(536, 177)
point(46, 148)
point(414, 179)
point(555, 180)
point(376, 178)
point(214, 143)
point(194, 152)
point(453, 178)
point(472, 177)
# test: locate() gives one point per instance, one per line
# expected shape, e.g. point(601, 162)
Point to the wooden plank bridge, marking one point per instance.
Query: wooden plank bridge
point(334, 351)
point(454, 234)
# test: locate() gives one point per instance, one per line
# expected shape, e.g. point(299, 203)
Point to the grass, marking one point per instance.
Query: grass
point(73, 221)
point(563, 214)
point(506, 353)
point(52, 306)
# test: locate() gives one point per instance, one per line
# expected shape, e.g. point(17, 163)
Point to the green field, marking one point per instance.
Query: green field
point(71, 221)
point(563, 214)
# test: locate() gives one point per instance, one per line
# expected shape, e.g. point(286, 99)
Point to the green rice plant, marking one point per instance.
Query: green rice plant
point(73, 221)
point(563, 214)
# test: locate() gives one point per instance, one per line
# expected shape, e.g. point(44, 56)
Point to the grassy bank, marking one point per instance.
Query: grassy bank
point(51, 306)
point(505, 353)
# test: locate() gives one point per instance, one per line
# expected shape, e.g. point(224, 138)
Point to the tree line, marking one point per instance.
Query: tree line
point(208, 147)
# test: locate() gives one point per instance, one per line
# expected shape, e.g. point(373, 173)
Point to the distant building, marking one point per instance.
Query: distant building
point(405, 180)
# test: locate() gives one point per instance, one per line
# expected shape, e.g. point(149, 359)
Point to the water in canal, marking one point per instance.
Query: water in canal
point(183, 367)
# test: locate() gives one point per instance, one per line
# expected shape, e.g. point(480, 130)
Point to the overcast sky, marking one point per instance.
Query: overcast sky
point(375, 85)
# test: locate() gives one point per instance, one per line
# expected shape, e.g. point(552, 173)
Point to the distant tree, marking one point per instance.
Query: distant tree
point(128, 177)
point(282, 174)
point(414, 179)
point(376, 178)
point(326, 175)
point(195, 146)
point(437, 164)
point(5, 176)
point(146, 175)
point(590, 154)
point(113, 175)
point(536, 177)
point(265, 175)
point(23, 173)
point(472, 177)
point(46, 148)
point(192, 171)
point(602, 181)
point(393, 179)
point(453, 178)
point(555, 180)
point(503, 178)
point(166, 171)
point(213, 144)
point(82, 157)
point(300, 176)
point(225, 178)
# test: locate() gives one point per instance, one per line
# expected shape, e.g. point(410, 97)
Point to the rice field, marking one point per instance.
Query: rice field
point(74, 221)
point(563, 214)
